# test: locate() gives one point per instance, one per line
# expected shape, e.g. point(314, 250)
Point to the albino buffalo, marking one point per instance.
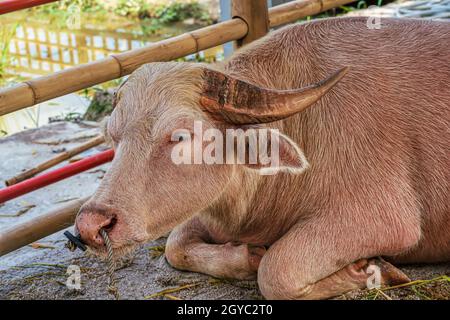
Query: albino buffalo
point(363, 122)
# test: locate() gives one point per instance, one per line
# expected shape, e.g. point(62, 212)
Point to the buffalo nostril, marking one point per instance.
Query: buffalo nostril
point(90, 222)
point(110, 225)
point(107, 226)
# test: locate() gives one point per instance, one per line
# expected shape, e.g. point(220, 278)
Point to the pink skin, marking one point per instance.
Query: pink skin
point(377, 145)
point(124, 215)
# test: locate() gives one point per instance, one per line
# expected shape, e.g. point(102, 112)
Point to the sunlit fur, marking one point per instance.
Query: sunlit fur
point(377, 146)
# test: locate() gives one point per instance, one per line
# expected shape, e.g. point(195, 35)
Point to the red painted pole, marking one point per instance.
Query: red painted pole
point(53, 176)
point(7, 6)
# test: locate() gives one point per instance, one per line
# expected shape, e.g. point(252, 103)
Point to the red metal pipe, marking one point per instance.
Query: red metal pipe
point(7, 6)
point(56, 175)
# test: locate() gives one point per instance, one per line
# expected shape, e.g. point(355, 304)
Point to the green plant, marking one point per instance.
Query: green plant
point(101, 105)
point(179, 12)
point(163, 13)
point(129, 7)
point(363, 4)
point(84, 5)
point(6, 34)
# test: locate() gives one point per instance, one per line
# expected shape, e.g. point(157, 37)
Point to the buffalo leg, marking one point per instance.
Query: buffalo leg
point(190, 247)
point(308, 263)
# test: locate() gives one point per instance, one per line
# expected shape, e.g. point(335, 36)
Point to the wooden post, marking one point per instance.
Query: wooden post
point(255, 14)
point(39, 227)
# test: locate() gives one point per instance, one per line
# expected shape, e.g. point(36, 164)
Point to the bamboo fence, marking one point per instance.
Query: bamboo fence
point(70, 80)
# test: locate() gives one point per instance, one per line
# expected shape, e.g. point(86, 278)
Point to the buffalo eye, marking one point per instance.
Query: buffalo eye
point(180, 136)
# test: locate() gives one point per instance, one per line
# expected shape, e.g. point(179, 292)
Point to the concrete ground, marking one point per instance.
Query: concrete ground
point(40, 271)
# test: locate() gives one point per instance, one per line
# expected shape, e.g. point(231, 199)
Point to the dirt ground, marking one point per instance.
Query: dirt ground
point(41, 272)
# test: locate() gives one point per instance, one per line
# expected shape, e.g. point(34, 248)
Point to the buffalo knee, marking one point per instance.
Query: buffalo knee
point(276, 284)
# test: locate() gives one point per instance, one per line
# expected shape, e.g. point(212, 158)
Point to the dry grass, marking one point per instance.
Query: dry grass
point(156, 251)
point(167, 292)
point(437, 288)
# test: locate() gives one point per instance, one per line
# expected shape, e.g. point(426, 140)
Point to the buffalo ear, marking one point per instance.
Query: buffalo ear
point(283, 155)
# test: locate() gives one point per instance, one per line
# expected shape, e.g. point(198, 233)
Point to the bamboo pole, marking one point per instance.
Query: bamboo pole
point(295, 10)
point(55, 160)
point(44, 88)
point(40, 227)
